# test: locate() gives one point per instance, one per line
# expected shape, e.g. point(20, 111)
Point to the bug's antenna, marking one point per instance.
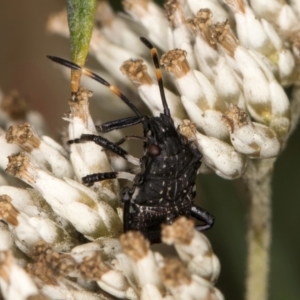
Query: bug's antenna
point(96, 77)
point(158, 75)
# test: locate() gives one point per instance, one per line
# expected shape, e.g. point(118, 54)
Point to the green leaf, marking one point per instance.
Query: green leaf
point(81, 22)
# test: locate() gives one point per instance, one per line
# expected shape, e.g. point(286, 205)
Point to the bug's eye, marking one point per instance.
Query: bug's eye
point(154, 150)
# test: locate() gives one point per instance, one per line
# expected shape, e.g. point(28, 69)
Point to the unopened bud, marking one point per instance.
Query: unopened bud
point(218, 155)
point(252, 139)
point(50, 158)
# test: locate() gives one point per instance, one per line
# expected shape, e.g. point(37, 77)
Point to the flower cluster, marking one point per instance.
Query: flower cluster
point(61, 239)
point(125, 268)
point(230, 87)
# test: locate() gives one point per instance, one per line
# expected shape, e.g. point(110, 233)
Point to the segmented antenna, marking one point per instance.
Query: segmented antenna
point(96, 77)
point(158, 75)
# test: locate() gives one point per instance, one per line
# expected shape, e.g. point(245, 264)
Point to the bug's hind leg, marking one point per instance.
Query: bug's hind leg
point(204, 216)
point(126, 199)
point(90, 179)
point(101, 141)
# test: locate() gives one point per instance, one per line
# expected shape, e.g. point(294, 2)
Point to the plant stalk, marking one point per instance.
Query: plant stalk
point(258, 179)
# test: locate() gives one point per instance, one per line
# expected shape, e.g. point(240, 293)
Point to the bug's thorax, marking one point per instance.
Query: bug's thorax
point(168, 167)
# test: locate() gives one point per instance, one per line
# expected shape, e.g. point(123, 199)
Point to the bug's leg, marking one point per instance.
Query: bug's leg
point(130, 137)
point(126, 199)
point(118, 124)
point(204, 216)
point(90, 179)
point(101, 141)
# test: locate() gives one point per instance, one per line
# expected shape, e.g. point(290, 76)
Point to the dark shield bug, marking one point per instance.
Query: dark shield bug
point(164, 189)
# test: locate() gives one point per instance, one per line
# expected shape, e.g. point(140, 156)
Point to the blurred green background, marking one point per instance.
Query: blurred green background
point(23, 65)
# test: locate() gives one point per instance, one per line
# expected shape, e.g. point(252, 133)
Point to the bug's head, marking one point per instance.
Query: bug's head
point(162, 136)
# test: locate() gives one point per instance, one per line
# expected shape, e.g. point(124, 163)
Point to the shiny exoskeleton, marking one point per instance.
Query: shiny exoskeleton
point(164, 189)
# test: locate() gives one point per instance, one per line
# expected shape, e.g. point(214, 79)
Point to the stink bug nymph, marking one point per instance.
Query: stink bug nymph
point(164, 189)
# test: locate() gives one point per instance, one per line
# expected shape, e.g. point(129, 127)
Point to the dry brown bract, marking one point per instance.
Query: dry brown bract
point(134, 245)
point(49, 266)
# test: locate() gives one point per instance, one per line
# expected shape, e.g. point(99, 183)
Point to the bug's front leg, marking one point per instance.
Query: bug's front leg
point(106, 144)
point(204, 216)
point(90, 179)
point(118, 124)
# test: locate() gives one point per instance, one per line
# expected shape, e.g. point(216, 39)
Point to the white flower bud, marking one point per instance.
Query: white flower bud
point(110, 24)
point(127, 266)
point(31, 203)
point(8, 212)
point(151, 16)
point(277, 116)
point(279, 13)
point(106, 247)
point(283, 57)
point(28, 230)
point(6, 238)
point(110, 56)
point(52, 143)
point(178, 32)
point(65, 200)
point(15, 283)
point(68, 290)
point(287, 67)
point(218, 155)
point(8, 243)
point(198, 95)
point(252, 139)
point(182, 285)
point(193, 248)
point(206, 57)
point(145, 270)
point(264, 97)
point(112, 281)
point(38, 121)
point(205, 48)
point(104, 194)
point(116, 284)
point(255, 83)
point(225, 77)
point(136, 71)
point(219, 13)
point(6, 149)
point(88, 158)
point(295, 4)
point(150, 292)
point(175, 62)
point(267, 9)
point(250, 30)
point(287, 19)
point(46, 156)
point(22, 201)
point(209, 122)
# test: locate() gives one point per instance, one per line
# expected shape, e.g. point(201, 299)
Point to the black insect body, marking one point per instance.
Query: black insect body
point(164, 189)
